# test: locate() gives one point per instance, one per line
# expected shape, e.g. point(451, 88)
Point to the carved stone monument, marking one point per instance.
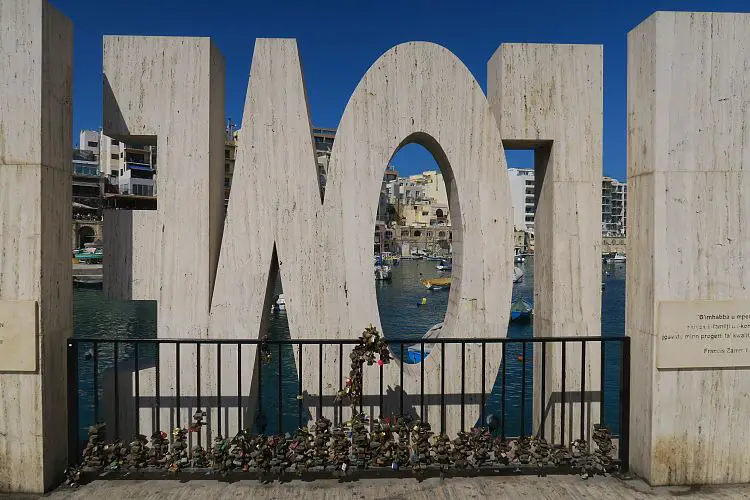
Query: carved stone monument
point(36, 51)
point(689, 244)
point(550, 98)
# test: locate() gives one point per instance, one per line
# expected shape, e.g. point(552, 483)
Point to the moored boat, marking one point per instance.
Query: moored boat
point(521, 310)
point(437, 283)
point(445, 265)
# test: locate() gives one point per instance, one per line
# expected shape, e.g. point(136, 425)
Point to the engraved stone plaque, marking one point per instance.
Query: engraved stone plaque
point(18, 335)
point(703, 334)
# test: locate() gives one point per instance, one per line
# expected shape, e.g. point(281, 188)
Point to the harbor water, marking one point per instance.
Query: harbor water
point(402, 315)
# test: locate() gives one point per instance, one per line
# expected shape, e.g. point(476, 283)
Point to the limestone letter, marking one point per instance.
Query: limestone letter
point(36, 51)
point(325, 253)
point(169, 92)
point(550, 98)
point(688, 237)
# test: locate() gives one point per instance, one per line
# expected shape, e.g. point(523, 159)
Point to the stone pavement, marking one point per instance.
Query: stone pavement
point(510, 487)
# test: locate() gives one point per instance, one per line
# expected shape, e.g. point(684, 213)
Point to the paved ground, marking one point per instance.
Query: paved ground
point(513, 487)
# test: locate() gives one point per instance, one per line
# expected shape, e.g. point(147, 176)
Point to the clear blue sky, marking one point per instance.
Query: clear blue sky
point(339, 40)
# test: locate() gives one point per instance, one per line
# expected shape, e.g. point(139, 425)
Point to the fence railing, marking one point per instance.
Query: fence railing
point(541, 387)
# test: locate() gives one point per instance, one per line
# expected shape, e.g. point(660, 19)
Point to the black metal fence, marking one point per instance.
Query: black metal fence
point(508, 409)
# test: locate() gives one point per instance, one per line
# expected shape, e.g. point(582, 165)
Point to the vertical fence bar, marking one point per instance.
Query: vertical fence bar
point(421, 382)
point(523, 388)
point(279, 395)
point(96, 382)
point(197, 376)
point(482, 421)
point(177, 384)
point(137, 391)
point(542, 397)
point(583, 389)
point(381, 391)
point(157, 389)
point(602, 346)
point(320, 380)
point(625, 404)
point(218, 388)
point(562, 398)
point(115, 362)
point(341, 382)
point(259, 407)
point(401, 379)
point(299, 387)
point(502, 394)
point(73, 437)
point(463, 377)
point(239, 386)
point(442, 389)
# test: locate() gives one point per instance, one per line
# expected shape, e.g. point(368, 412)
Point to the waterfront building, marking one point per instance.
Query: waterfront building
point(87, 194)
point(323, 141)
point(523, 189)
point(614, 207)
point(230, 153)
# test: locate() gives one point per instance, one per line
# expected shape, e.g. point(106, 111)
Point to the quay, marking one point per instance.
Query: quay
point(507, 487)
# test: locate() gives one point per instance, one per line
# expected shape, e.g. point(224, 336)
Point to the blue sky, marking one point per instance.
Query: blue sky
point(340, 39)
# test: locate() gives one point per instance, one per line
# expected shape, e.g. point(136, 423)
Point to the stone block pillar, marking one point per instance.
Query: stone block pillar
point(36, 313)
point(688, 247)
point(549, 98)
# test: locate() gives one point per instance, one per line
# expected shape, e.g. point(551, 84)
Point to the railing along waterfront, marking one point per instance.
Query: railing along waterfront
point(507, 410)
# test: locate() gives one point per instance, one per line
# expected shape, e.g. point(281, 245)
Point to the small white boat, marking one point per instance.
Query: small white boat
point(382, 272)
point(414, 351)
point(445, 265)
point(619, 257)
point(279, 303)
point(517, 274)
point(519, 259)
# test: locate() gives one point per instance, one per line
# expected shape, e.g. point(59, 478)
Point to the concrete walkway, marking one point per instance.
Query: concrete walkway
point(510, 487)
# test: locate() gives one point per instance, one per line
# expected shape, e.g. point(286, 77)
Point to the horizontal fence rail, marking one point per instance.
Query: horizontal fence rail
point(554, 388)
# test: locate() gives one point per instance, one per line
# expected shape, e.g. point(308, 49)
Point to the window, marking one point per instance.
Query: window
point(115, 156)
point(93, 144)
point(417, 234)
point(122, 172)
point(114, 173)
point(441, 234)
point(226, 167)
point(429, 234)
point(226, 153)
point(404, 233)
point(115, 142)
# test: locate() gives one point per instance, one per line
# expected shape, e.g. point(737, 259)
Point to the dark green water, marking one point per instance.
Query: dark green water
point(96, 317)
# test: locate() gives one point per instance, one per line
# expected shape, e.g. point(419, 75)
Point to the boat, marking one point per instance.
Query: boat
point(517, 274)
point(437, 283)
point(445, 265)
point(521, 310)
point(434, 257)
point(414, 351)
point(619, 257)
point(84, 281)
point(389, 258)
point(519, 259)
point(415, 254)
point(279, 303)
point(382, 272)
point(91, 254)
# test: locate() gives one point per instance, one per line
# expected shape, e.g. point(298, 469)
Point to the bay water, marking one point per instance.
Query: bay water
point(402, 315)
